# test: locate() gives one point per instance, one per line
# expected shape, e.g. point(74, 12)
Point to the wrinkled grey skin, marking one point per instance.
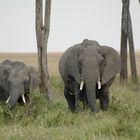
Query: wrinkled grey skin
point(88, 62)
point(16, 79)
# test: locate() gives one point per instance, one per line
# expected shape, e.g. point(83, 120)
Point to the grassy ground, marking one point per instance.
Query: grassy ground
point(40, 121)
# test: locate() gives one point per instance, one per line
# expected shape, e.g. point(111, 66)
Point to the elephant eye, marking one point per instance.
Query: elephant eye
point(8, 81)
point(26, 82)
point(102, 61)
point(79, 63)
point(80, 66)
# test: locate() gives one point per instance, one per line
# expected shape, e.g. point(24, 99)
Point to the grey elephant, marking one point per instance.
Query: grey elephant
point(16, 79)
point(88, 70)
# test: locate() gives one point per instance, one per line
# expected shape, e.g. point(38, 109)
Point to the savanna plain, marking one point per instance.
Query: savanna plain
point(42, 121)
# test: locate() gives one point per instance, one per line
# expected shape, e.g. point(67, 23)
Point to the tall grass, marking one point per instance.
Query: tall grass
point(41, 121)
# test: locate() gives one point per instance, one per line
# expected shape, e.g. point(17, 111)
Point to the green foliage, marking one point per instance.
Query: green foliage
point(40, 121)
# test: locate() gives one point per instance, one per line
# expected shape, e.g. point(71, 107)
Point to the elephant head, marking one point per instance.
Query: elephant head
point(97, 66)
point(17, 80)
point(87, 42)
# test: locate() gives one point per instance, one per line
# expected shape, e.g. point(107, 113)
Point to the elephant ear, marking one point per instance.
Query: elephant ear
point(4, 75)
point(73, 62)
point(34, 77)
point(112, 63)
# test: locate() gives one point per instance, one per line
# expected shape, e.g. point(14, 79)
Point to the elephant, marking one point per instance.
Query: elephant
point(88, 69)
point(16, 79)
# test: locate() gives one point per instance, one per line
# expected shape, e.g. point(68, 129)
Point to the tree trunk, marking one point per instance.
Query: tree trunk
point(123, 52)
point(132, 52)
point(127, 33)
point(42, 34)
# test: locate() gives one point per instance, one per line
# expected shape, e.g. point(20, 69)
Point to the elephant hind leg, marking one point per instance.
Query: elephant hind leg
point(70, 99)
point(104, 100)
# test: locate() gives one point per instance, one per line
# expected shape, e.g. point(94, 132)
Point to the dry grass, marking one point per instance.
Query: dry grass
point(53, 58)
point(31, 59)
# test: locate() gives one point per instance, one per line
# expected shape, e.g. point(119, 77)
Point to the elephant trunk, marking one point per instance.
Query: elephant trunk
point(15, 94)
point(91, 80)
point(91, 95)
point(13, 98)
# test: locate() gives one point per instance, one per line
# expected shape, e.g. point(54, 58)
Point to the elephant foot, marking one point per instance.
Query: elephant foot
point(104, 102)
point(72, 110)
point(95, 111)
point(104, 106)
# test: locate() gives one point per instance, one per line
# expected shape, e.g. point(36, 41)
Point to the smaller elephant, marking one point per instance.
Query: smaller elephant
point(16, 79)
point(88, 69)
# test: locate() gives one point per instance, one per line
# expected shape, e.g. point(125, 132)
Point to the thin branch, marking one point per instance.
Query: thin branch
point(39, 21)
point(132, 51)
point(47, 15)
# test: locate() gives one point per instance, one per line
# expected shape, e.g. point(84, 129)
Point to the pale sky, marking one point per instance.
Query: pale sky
point(71, 22)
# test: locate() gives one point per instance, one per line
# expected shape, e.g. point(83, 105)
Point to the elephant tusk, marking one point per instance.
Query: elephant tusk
point(99, 84)
point(23, 98)
point(81, 85)
point(8, 99)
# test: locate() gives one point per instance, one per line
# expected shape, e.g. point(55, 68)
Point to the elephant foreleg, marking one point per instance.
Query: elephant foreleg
point(70, 99)
point(104, 99)
point(76, 93)
point(83, 98)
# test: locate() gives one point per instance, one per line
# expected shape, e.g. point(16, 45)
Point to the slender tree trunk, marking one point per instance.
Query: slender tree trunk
point(123, 50)
point(123, 54)
point(132, 52)
point(127, 34)
point(42, 34)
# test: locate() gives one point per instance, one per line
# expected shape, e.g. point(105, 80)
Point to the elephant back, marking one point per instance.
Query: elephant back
point(18, 65)
point(6, 62)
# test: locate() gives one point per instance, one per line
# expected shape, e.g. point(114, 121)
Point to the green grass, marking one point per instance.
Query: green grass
point(40, 121)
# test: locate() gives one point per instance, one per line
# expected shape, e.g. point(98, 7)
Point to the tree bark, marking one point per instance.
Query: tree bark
point(123, 50)
point(132, 52)
point(127, 34)
point(42, 34)
point(123, 54)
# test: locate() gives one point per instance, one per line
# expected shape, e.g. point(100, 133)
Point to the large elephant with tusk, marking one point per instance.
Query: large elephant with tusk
point(88, 70)
point(16, 79)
